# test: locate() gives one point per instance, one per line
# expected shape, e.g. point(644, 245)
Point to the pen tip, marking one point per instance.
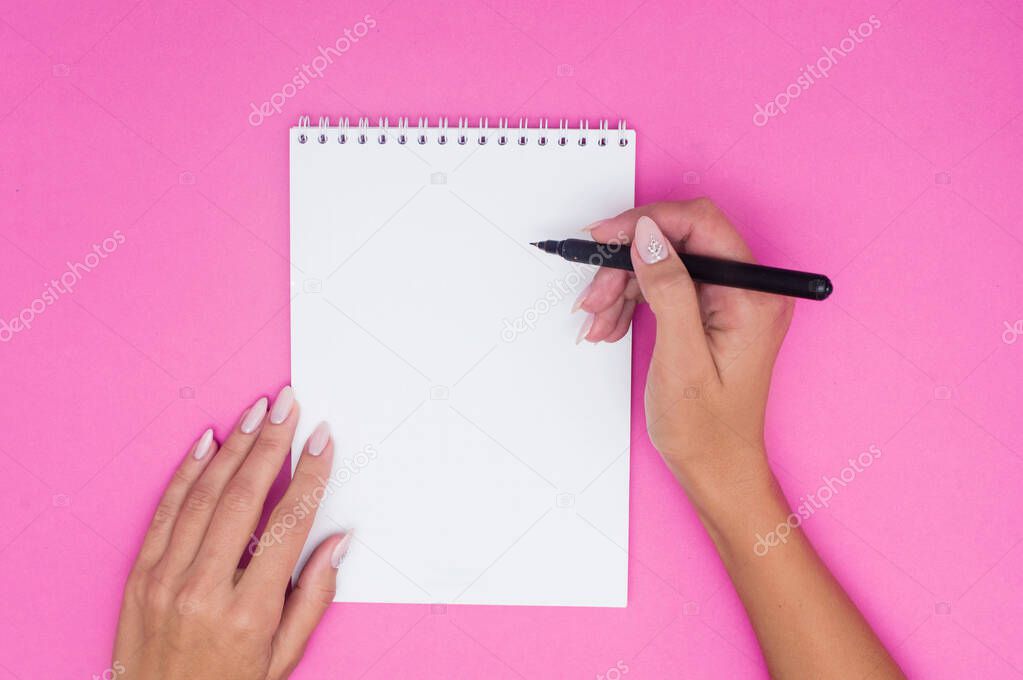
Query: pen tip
point(535, 243)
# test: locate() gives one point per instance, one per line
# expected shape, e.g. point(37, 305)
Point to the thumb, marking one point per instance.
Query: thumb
point(307, 604)
point(681, 345)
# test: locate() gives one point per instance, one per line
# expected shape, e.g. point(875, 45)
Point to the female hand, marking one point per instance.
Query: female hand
point(188, 611)
point(715, 347)
point(706, 395)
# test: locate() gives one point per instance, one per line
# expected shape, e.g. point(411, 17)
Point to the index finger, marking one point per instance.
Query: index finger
point(698, 226)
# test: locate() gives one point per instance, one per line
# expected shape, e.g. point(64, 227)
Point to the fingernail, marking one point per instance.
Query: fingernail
point(254, 416)
point(587, 325)
point(282, 405)
point(318, 439)
point(592, 225)
point(582, 298)
point(340, 550)
point(652, 245)
point(203, 446)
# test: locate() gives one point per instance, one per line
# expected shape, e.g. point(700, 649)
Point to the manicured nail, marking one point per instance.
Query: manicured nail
point(592, 225)
point(582, 298)
point(652, 245)
point(318, 439)
point(203, 446)
point(340, 550)
point(254, 416)
point(282, 405)
point(587, 325)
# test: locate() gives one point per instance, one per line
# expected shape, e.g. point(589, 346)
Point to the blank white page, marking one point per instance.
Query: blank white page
point(481, 456)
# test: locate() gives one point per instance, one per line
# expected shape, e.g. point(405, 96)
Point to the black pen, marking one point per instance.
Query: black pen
point(701, 268)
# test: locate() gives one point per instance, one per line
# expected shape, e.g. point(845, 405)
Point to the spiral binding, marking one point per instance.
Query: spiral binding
point(382, 132)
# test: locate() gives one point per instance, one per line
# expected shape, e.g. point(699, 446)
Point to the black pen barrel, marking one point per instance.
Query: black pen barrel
point(757, 277)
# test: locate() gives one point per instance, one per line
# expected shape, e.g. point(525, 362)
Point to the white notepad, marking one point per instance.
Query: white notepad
point(481, 457)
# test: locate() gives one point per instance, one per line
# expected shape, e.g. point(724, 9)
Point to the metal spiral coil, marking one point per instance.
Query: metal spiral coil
point(382, 131)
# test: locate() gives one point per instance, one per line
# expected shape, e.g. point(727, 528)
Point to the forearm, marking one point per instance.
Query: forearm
point(806, 624)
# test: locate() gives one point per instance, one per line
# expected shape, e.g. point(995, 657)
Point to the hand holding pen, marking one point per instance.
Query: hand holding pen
point(713, 341)
point(705, 400)
point(701, 268)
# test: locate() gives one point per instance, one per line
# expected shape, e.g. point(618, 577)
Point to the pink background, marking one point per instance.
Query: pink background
point(899, 175)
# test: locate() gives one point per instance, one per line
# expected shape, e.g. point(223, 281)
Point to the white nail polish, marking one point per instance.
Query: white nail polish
point(587, 325)
point(340, 550)
point(318, 439)
point(203, 446)
point(254, 416)
point(282, 405)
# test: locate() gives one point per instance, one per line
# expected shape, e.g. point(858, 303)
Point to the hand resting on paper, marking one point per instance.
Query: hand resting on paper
point(706, 396)
point(188, 611)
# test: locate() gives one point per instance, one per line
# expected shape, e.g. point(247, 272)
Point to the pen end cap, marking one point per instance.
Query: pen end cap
point(822, 288)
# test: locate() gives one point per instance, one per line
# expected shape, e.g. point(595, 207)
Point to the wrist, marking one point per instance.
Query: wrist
point(716, 482)
point(734, 495)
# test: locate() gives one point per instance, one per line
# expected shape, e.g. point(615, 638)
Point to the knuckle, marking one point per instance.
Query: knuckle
point(281, 522)
point(231, 449)
point(187, 600)
point(244, 620)
point(321, 594)
point(201, 499)
point(704, 206)
point(135, 586)
point(269, 453)
point(705, 212)
point(307, 481)
point(273, 441)
point(183, 601)
point(298, 509)
point(158, 573)
point(293, 513)
point(163, 517)
point(324, 595)
point(632, 289)
point(239, 497)
point(156, 597)
point(181, 477)
point(279, 518)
